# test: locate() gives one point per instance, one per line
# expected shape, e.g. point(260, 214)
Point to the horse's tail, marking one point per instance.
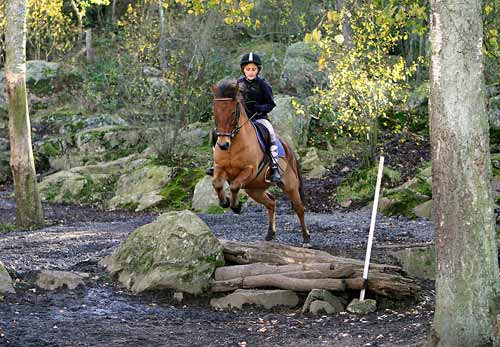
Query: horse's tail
point(294, 163)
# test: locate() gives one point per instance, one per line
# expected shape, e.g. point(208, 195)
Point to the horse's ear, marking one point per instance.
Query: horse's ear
point(214, 89)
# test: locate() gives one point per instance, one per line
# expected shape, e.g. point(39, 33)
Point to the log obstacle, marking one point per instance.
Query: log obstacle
point(268, 264)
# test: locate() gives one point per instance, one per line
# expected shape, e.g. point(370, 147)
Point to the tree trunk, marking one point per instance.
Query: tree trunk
point(113, 13)
point(467, 279)
point(162, 43)
point(88, 45)
point(29, 211)
point(346, 26)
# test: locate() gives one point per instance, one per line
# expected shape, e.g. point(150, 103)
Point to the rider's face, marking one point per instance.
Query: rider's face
point(250, 70)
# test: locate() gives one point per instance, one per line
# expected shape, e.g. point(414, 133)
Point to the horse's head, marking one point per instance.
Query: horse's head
point(226, 110)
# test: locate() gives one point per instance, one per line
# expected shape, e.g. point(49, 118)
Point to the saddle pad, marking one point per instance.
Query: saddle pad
point(281, 149)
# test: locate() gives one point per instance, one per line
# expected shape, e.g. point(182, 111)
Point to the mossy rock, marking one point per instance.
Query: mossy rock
point(141, 188)
point(76, 188)
point(402, 203)
point(177, 251)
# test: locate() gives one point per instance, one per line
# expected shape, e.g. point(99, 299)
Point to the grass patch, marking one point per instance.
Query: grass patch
point(5, 228)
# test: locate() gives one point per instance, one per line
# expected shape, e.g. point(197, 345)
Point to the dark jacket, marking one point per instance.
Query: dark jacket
point(258, 96)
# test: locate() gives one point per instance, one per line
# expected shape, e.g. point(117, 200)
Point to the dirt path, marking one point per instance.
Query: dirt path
point(102, 314)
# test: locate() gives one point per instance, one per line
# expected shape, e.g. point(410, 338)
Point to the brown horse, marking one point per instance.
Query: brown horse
point(237, 157)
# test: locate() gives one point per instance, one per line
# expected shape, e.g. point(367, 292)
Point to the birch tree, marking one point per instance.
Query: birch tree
point(29, 211)
point(467, 281)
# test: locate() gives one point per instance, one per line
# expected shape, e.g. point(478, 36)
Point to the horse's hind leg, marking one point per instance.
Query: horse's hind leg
point(266, 199)
point(298, 207)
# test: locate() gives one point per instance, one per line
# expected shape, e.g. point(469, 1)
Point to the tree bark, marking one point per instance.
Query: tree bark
point(88, 45)
point(113, 13)
point(29, 211)
point(467, 279)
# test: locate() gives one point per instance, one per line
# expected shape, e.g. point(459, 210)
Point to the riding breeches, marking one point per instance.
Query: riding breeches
point(273, 149)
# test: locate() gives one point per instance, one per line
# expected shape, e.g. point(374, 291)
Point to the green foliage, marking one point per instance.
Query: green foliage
point(404, 203)
point(365, 78)
point(359, 186)
point(178, 192)
point(215, 209)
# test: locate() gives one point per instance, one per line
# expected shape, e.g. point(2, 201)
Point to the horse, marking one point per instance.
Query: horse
point(237, 155)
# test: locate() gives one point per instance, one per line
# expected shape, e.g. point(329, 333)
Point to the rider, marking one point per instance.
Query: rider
point(258, 96)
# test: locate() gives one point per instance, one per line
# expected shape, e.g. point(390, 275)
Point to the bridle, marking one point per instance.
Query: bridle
point(236, 119)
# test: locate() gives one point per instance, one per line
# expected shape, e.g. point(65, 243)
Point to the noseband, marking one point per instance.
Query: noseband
point(236, 119)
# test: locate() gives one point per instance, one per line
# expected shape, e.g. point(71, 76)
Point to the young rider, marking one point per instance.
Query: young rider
point(258, 97)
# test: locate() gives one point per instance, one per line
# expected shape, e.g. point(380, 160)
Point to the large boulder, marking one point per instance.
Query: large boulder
point(177, 251)
point(5, 281)
point(140, 189)
point(291, 126)
point(300, 70)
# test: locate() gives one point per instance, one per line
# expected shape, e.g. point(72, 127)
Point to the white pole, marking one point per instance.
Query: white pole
point(372, 227)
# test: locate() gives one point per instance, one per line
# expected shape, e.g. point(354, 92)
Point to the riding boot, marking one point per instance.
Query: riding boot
point(275, 172)
point(210, 170)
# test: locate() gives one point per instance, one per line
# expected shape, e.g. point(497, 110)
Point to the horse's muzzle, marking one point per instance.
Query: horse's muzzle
point(224, 146)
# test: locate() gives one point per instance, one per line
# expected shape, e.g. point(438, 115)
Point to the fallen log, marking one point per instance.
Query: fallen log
point(258, 281)
point(385, 280)
point(275, 253)
point(235, 271)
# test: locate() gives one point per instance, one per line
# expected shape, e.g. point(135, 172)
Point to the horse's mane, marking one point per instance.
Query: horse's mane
point(227, 88)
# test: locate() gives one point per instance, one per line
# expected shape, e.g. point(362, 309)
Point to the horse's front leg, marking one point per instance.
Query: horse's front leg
point(244, 177)
point(218, 184)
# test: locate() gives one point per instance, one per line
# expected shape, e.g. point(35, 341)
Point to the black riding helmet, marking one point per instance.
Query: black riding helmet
point(251, 57)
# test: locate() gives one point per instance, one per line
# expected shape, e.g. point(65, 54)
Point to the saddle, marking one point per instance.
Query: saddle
point(265, 140)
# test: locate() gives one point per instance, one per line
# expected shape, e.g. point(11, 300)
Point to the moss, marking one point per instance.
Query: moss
point(178, 192)
point(405, 202)
point(5, 228)
point(52, 148)
point(52, 191)
point(215, 209)
point(360, 185)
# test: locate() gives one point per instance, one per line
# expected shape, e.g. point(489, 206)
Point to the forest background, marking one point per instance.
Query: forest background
point(151, 63)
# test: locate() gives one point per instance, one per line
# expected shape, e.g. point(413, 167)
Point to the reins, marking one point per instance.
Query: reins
point(236, 114)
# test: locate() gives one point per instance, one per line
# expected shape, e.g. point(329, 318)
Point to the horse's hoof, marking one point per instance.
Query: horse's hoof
point(236, 209)
point(306, 245)
point(225, 204)
point(269, 237)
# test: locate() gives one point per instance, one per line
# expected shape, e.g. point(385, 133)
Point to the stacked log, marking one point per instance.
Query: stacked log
point(268, 264)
